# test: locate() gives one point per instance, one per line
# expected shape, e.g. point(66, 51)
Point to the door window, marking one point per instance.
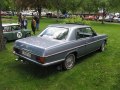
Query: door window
point(16, 27)
point(79, 33)
point(83, 32)
point(87, 32)
point(6, 29)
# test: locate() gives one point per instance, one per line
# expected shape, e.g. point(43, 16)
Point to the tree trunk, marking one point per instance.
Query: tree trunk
point(103, 19)
point(57, 11)
point(57, 15)
point(2, 44)
point(103, 16)
point(39, 12)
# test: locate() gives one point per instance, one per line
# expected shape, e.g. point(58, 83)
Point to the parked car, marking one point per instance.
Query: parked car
point(9, 13)
point(13, 32)
point(90, 17)
point(116, 19)
point(3, 13)
point(49, 14)
point(109, 18)
point(100, 18)
point(60, 43)
point(27, 13)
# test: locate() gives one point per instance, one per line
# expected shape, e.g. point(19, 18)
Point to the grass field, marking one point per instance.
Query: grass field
point(97, 71)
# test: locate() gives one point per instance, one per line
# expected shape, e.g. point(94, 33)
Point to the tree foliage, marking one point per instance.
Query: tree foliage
point(114, 5)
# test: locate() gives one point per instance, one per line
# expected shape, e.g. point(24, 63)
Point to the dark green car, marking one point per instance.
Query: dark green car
point(14, 32)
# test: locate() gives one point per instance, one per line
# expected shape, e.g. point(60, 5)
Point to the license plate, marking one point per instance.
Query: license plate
point(25, 53)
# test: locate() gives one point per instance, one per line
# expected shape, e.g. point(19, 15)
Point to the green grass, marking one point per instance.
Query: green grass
point(97, 71)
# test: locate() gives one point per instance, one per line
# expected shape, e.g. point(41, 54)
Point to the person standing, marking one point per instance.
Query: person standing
point(25, 22)
point(37, 22)
point(20, 20)
point(33, 25)
point(19, 17)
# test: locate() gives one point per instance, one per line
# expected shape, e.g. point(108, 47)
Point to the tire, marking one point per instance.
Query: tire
point(102, 48)
point(28, 35)
point(69, 62)
point(5, 40)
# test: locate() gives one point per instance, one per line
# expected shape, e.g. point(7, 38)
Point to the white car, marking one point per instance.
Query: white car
point(116, 19)
point(100, 18)
point(109, 18)
point(29, 13)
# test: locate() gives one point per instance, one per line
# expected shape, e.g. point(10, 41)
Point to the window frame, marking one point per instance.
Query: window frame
point(92, 33)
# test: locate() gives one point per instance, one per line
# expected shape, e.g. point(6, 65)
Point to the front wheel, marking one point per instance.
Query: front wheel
point(28, 35)
point(69, 62)
point(5, 40)
point(102, 48)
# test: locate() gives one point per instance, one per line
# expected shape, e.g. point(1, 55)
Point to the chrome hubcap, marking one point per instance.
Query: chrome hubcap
point(103, 47)
point(70, 62)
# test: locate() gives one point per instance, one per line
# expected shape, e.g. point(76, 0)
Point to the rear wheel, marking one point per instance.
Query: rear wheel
point(69, 62)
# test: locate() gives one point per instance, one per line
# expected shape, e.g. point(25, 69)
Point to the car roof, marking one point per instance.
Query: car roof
point(68, 25)
point(10, 24)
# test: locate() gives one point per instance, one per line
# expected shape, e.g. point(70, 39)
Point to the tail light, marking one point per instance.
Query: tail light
point(41, 59)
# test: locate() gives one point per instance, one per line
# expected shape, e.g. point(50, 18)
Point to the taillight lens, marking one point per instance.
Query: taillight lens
point(41, 59)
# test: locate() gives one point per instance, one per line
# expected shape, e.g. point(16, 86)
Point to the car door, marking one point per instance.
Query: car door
point(8, 33)
point(80, 42)
point(90, 40)
point(17, 32)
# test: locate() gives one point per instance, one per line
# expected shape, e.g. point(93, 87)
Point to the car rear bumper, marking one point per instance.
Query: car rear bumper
point(31, 60)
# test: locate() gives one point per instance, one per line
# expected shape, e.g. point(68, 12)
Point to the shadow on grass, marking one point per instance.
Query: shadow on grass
point(36, 70)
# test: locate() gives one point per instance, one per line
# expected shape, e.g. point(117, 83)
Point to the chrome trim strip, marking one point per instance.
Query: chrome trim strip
point(50, 63)
point(64, 51)
point(75, 47)
point(46, 64)
point(73, 41)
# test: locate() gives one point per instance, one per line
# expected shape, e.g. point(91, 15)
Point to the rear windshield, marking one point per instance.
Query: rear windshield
point(55, 33)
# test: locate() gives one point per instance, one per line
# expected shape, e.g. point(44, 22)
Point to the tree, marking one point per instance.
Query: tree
point(2, 45)
point(3, 5)
point(65, 6)
point(87, 6)
point(56, 4)
point(94, 5)
point(103, 4)
point(75, 5)
point(114, 5)
point(36, 4)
